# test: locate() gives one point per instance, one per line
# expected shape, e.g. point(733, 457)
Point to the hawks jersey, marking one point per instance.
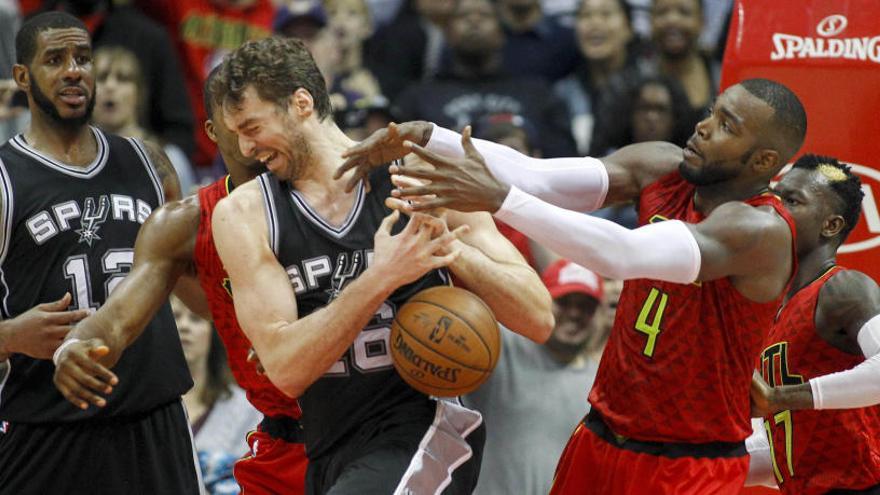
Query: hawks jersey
point(678, 363)
point(72, 229)
point(215, 282)
point(320, 260)
point(816, 451)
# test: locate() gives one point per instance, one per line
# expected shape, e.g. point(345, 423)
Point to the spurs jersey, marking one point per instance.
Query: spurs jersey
point(73, 229)
point(215, 282)
point(816, 451)
point(320, 259)
point(678, 364)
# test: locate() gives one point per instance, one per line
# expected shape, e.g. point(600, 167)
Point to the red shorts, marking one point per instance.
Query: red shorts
point(591, 465)
point(273, 466)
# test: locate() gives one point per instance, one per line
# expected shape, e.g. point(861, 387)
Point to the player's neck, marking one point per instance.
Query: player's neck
point(326, 144)
point(707, 198)
point(812, 265)
point(73, 146)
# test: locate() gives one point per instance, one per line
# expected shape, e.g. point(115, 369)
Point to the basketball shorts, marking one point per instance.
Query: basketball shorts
point(146, 454)
point(277, 459)
point(596, 462)
point(439, 455)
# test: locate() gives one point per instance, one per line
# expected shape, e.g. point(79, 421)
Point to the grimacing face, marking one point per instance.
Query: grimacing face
point(61, 76)
point(725, 141)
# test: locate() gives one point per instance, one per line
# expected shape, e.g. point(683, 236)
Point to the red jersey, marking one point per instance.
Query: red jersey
point(215, 282)
point(679, 361)
point(205, 31)
point(816, 451)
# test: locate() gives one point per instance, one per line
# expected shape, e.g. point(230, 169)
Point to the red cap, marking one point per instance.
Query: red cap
point(564, 277)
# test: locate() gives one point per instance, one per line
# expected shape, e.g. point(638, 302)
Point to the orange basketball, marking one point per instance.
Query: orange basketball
point(445, 341)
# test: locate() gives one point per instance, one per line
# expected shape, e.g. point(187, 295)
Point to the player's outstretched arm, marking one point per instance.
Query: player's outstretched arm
point(295, 351)
point(492, 268)
point(847, 317)
point(163, 252)
point(474, 174)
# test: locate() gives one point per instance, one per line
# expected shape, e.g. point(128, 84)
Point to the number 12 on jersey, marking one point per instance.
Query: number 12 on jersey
point(652, 330)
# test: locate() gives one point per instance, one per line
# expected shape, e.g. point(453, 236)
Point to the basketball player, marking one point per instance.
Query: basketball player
point(175, 241)
point(73, 201)
point(318, 275)
point(822, 356)
point(706, 273)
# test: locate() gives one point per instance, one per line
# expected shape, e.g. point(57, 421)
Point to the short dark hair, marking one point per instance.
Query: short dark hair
point(276, 67)
point(215, 89)
point(26, 39)
point(845, 184)
point(624, 6)
point(789, 117)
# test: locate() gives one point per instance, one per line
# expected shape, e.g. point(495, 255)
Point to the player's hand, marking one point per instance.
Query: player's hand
point(40, 330)
point(380, 148)
point(463, 184)
point(82, 373)
point(762, 397)
point(423, 245)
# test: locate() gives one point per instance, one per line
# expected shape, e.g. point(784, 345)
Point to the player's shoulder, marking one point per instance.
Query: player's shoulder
point(848, 287)
point(244, 200)
point(175, 221)
point(753, 218)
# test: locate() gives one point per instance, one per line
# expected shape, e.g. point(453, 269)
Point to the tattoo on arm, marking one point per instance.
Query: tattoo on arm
point(166, 171)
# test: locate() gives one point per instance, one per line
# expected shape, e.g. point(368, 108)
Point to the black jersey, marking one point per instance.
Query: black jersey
point(320, 260)
point(72, 229)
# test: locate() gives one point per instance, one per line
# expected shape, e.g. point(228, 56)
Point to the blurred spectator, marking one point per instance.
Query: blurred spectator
point(654, 108)
point(676, 26)
point(536, 44)
point(219, 412)
point(537, 393)
point(409, 48)
point(10, 20)
point(477, 85)
point(350, 25)
point(169, 115)
point(204, 32)
point(121, 103)
point(516, 132)
point(610, 57)
point(384, 11)
point(605, 318)
point(307, 20)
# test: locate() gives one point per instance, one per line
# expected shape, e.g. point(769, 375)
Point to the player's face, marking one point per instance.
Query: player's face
point(575, 324)
point(267, 133)
point(809, 199)
point(116, 93)
point(61, 76)
point(195, 334)
point(602, 30)
point(726, 141)
point(227, 143)
point(676, 25)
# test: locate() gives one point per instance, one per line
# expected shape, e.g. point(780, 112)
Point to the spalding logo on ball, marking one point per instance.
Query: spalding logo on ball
point(445, 341)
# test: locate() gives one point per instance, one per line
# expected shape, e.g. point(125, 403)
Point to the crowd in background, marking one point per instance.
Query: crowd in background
point(547, 77)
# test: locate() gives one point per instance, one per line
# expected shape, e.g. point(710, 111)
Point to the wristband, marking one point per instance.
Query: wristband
point(61, 347)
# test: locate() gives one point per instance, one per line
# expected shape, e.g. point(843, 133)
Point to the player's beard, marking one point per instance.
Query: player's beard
point(301, 155)
point(49, 109)
point(711, 173)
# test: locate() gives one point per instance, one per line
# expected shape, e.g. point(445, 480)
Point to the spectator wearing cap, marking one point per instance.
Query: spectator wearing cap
point(536, 395)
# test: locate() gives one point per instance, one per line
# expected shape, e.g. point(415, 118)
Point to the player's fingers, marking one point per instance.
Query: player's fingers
point(101, 378)
point(470, 150)
point(388, 222)
point(62, 317)
point(399, 204)
point(429, 156)
point(70, 390)
point(407, 181)
point(80, 394)
point(441, 261)
point(427, 192)
point(58, 305)
point(430, 204)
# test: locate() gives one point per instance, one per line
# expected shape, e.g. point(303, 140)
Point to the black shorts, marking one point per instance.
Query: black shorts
point(149, 453)
point(440, 455)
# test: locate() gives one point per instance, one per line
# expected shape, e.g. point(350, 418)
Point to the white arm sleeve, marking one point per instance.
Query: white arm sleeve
point(661, 251)
point(856, 387)
point(578, 184)
point(760, 459)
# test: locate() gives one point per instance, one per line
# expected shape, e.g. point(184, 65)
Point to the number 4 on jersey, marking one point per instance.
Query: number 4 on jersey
point(652, 330)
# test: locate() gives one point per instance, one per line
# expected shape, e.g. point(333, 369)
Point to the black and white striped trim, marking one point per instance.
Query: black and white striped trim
point(271, 211)
point(315, 218)
point(7, 204)
point(442, 450)
point(150, 166)
point(18, 142)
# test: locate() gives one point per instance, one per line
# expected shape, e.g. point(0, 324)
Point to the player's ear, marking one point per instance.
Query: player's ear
point(22, 76)
point(833, 225)
point(209, 130)
point(302, 102)
point(765, 161)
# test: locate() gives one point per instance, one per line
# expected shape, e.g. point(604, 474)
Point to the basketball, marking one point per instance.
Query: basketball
point(445, 341)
